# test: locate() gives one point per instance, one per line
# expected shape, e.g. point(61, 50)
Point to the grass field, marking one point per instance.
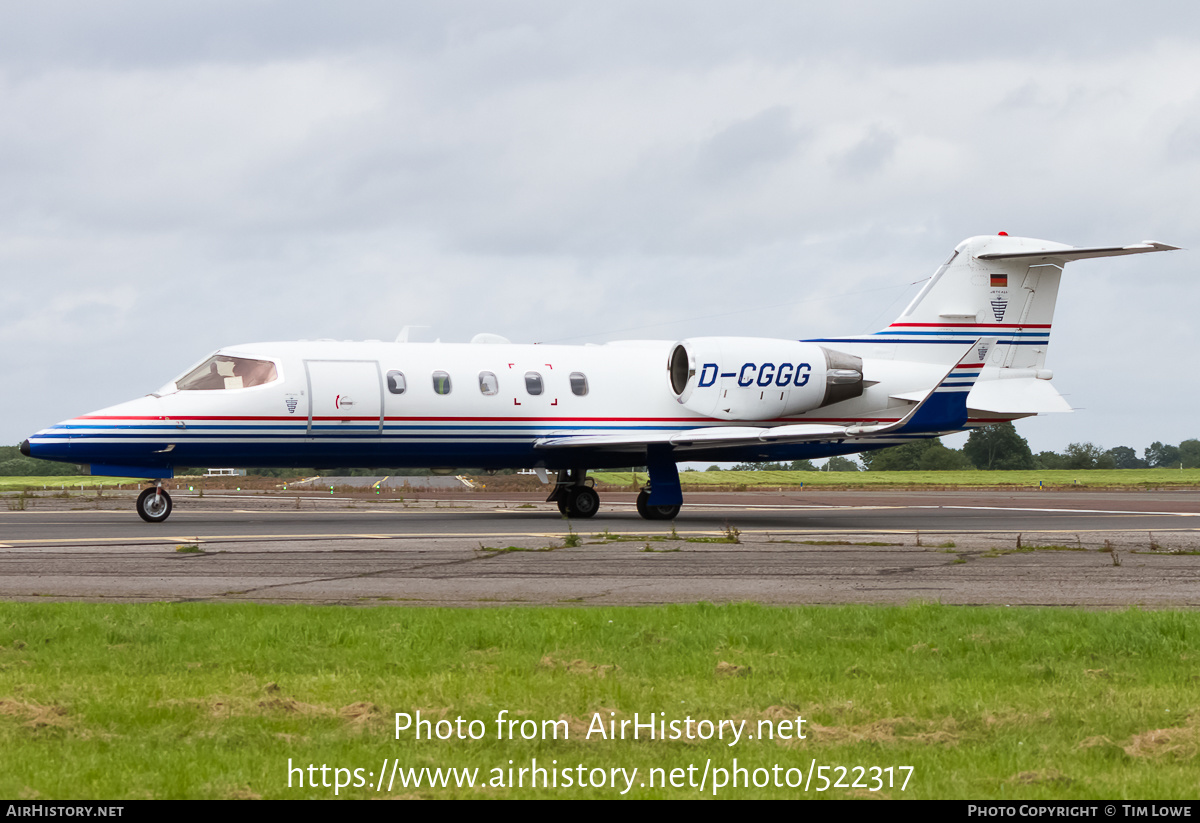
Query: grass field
point(1124, 478)
point(212, 700)
point(65, 483)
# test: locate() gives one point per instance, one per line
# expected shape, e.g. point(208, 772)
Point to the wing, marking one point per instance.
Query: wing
point(943, 408)
point(697, 438)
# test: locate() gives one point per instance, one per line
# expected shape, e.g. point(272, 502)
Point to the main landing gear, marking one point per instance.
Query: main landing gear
point(577, 499)
point(662, 497)
point(573, 496)
point(154, 504)
point(649, 512)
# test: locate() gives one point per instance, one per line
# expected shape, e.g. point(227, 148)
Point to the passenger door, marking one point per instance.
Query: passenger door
point(344, 396)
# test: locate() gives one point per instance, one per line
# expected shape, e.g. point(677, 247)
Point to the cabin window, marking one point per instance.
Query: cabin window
point(488, 384)
point(396, 382)
point(579, 386)
point(441, 382)
point(533, 382)
point(224, 372)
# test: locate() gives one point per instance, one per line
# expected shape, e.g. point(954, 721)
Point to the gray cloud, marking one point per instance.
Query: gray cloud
point(1183, 143)
point(575, 36)
point(761, 140)
point(870, 154)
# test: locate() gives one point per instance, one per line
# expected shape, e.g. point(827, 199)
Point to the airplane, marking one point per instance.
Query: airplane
point(968, 351)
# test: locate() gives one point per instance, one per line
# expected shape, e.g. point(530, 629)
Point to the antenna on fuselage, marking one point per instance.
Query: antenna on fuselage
point(402, 337)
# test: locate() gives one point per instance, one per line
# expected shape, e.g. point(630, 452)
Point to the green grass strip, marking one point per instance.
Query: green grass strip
point(212, 700)
point(1116, 478)
point(65, 483)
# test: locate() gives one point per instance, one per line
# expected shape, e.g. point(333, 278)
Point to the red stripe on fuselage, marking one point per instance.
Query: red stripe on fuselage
point(375, 419)
point(551, 419)
point(970, 325)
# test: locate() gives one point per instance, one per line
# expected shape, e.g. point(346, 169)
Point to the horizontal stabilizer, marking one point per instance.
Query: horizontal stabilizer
point(1078, 254)
point(1023, 395)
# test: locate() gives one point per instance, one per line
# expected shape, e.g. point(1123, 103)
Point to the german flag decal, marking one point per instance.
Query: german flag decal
point(1000, 280)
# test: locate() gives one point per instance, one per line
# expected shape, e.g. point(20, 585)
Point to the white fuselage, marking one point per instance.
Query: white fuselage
point(336, 404)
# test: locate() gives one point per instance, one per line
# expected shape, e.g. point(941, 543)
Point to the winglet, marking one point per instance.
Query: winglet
point(943, 409)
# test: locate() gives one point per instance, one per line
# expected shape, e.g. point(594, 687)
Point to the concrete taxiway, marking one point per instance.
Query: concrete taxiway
point(1097, 549)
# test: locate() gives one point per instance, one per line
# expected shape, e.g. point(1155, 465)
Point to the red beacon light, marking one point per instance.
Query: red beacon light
point(1004, 234)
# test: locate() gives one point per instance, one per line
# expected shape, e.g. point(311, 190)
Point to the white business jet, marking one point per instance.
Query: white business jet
point(969, 351)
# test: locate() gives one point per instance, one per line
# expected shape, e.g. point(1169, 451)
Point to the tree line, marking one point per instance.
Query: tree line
point(999, 448)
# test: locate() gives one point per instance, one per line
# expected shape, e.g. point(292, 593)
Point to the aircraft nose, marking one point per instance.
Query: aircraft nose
point(25, 447)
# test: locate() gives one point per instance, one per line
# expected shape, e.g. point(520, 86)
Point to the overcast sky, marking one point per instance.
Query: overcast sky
point(175, 177)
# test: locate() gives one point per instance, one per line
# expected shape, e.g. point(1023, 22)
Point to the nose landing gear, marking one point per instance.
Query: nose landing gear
point(154, 504)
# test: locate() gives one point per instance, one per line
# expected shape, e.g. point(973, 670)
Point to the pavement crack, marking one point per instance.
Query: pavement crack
point(358, 576)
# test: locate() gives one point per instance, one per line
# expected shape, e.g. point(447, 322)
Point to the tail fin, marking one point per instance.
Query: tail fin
point(992, 287)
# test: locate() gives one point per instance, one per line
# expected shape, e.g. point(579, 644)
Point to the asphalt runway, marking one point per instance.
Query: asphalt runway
point(1094, 549)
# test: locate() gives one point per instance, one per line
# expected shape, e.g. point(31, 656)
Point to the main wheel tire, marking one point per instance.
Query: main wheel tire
point(668, 512)
point(562, 506)
point(154, 505)
point(582, 502)
point(649, 512)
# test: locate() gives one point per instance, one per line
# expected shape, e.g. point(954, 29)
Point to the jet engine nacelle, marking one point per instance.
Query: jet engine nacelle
point(754, 378)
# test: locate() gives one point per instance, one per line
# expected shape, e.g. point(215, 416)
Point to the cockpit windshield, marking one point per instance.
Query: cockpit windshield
point(224, 372)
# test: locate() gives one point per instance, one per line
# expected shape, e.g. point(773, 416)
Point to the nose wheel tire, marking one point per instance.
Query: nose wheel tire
point(649, 512)
point(582, 501)
point(154, 505)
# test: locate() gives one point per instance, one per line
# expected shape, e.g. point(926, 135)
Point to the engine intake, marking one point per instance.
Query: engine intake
point(752, 378)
